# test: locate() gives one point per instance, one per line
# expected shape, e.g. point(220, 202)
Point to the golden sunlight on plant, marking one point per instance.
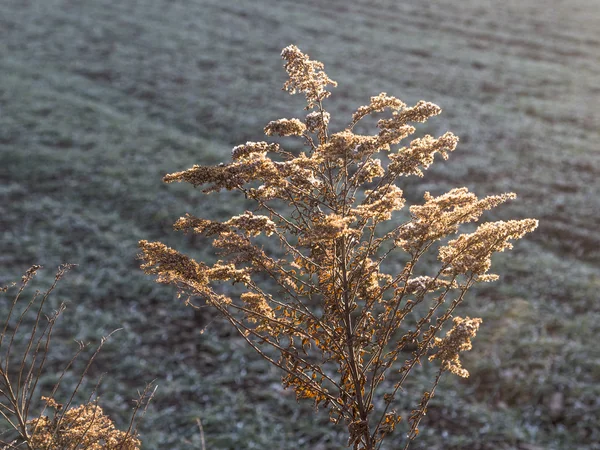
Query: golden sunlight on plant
point(336, 323)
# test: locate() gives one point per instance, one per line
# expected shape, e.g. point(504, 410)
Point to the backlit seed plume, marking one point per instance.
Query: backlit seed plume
point(252, 148)
point(418, 113)
point(473, 252)
point(378, 104)
point(407, 161)
point(285, 127)
point(457, 340)
point(306, 76)
point(252, 224)
point(317, 120)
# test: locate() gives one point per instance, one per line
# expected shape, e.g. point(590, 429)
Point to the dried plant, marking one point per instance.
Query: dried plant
point(337, 323)
point(24, 352)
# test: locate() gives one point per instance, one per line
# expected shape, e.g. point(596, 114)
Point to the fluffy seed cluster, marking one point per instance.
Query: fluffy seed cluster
point(472, 253)
point(392, 136)
point(419, 113)
point(424, 284)
point(85, 426)
point(252, 148)
point(348, 146)
point(191, 223)
point(367, 172)
point(252, 224)
point(378, 103)
point(457, 340)
point(226, 272)
point(170, 266)
point(258, 308)
point(285, 127)
point(326, 229)
point(255, 166)
point(317, 120)
point(421, 153)
point(381, 203)
point(441, 216)
point(305, 76)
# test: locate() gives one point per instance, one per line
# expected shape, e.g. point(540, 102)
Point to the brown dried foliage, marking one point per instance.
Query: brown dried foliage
point(338, 323)
point(82, 427)
point(21, 371)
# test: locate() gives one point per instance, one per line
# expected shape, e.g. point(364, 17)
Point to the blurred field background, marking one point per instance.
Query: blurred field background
point(100, 99)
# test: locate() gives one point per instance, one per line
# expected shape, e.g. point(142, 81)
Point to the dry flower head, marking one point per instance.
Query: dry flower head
point(80, 427)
